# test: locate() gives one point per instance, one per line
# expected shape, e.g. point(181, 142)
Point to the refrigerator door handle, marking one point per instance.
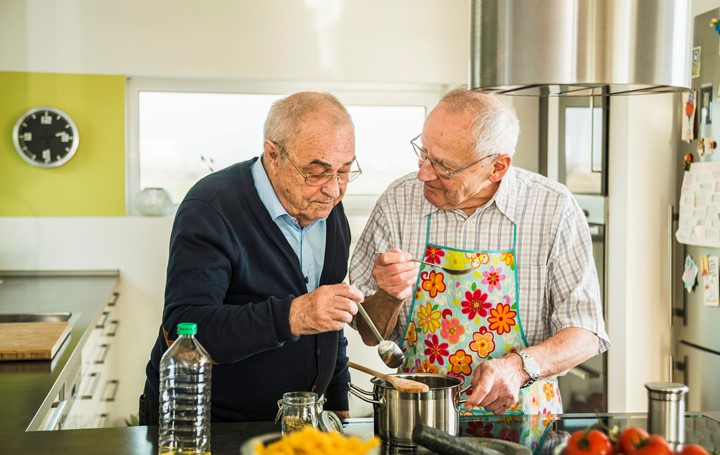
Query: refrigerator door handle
point(672, 218)
point(681, 366)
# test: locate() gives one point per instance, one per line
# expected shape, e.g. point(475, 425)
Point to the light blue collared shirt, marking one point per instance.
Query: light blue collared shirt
point(308, 243)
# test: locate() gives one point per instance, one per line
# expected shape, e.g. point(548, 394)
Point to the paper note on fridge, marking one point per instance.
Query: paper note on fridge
point(699, 222)
point(711, 286)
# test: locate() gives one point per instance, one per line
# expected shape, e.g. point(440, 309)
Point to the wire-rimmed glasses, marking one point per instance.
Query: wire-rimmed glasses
point(440, 169)
point(321, 179)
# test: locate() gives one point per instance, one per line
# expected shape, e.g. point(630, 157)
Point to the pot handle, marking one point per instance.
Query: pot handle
point(459, 402)
point(360, 393)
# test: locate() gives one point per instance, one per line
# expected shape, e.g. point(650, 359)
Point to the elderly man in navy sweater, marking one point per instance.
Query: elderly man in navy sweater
point(258, 253)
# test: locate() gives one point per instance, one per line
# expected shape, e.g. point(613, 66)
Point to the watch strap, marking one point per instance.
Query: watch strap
point(530, 367)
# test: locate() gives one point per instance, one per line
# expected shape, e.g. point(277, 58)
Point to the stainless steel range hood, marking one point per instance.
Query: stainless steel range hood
point(580, 47)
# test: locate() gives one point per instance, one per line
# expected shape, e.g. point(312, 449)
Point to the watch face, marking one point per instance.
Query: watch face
point(530, 366)
point(46, 137)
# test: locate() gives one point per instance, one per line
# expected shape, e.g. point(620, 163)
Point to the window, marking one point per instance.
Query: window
point(180, 131)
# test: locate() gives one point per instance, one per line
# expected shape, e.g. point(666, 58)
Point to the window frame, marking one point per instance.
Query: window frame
point(355, 94)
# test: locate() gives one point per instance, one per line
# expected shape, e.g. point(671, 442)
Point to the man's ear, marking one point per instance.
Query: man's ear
point(271, 156)
point(500, 167)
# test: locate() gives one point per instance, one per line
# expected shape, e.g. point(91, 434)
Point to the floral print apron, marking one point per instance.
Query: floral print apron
point(458, 321)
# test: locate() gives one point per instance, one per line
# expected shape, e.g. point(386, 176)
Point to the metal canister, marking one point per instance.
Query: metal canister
point(666, 410)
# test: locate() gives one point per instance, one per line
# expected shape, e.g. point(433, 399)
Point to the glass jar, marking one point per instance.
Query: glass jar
point(298, 410)
point(154, 202)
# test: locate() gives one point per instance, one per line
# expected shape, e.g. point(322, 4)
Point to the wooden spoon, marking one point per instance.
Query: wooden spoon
point(400, 384)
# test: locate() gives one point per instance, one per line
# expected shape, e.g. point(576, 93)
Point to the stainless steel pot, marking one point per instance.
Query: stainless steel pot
point(397, 413)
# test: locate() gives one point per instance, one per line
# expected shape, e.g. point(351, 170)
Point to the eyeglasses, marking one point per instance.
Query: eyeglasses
point(440, 169)
point(321, 179)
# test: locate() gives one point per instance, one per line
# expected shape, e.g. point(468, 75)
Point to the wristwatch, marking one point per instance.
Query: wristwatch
point(530, 366)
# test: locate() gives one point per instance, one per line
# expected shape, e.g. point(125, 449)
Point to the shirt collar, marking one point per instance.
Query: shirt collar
point(505, 199)
point(267, 193)
point(507, 195)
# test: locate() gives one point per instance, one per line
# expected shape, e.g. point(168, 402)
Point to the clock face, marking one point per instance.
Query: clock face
point(46, 137)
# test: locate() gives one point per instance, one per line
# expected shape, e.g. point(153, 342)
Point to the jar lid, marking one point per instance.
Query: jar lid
point(328, 421)
point(666, 388)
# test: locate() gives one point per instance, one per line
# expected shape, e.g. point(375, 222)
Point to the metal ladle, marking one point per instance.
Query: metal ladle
point(389, 351)
point(445, 269)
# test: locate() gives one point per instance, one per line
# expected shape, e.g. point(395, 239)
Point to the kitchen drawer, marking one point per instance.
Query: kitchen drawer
point(102, 336)
point(98, 387)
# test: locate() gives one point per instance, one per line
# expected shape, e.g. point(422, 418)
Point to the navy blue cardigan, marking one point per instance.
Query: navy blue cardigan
point(232, 272)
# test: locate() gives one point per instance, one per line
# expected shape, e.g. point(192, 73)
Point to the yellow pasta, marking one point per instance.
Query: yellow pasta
point(311, 441)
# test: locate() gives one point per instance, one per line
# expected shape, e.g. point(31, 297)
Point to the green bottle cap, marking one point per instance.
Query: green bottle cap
point(187, 328)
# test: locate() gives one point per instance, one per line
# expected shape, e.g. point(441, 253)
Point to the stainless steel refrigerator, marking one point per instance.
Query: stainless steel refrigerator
point(696, 327)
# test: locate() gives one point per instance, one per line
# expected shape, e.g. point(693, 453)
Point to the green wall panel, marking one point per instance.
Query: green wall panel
point(92, 183)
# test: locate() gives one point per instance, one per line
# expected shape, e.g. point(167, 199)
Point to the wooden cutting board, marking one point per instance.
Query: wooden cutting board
point(31, 340)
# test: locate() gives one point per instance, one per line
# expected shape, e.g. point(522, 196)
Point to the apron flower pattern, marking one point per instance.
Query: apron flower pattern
point(457, 322)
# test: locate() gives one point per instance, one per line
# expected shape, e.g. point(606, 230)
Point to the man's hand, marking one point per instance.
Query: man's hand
point(326, 309)
point(496, 384)
point(395, 274)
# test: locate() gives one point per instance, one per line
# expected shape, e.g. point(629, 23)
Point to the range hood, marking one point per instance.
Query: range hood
point(580, 47)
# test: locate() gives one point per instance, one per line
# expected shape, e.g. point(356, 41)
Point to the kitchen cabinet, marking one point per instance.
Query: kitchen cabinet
point(38, 395)
point(95, 403)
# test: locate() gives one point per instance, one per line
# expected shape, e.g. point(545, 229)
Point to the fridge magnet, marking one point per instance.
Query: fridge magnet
point(715, 24)
point(696, 62)
point(689, 275)
point(688, 116)
point(687, 161)
point(705, 103)
point(709, 146)
point(710, 281)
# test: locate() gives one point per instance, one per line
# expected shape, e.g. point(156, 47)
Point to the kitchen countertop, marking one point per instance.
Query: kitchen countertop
point(24, 385)
point(228, 437)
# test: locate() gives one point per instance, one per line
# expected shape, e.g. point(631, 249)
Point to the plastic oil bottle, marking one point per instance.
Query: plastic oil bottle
point(185, 378)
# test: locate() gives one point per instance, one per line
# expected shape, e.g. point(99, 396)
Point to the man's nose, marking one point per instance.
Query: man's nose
point(332, 187)
point(426, 172)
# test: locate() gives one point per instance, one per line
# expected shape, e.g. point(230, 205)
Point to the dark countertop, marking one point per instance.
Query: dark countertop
point(227, 438)
point(24, 385)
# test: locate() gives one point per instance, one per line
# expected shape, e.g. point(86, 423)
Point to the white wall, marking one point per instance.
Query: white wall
point(642, 167)
point(349, 40)
point(364, 41)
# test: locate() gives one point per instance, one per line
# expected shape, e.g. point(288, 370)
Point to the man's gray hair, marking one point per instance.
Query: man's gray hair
point(495, 125)
point(286, 115)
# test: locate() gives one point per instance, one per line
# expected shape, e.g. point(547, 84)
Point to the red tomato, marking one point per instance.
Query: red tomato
point(589, 442)
point(630, 439)
point(693, 449)
point(654, 445)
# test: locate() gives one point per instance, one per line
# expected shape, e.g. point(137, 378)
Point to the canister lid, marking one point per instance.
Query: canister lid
point(328, 421)
point(666, 390)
